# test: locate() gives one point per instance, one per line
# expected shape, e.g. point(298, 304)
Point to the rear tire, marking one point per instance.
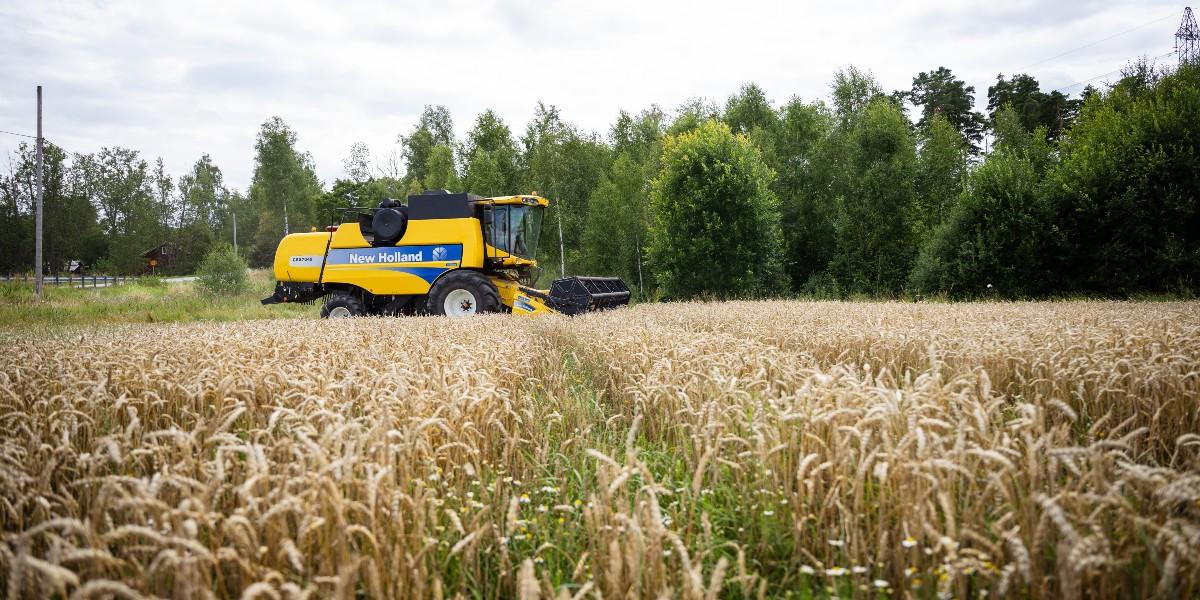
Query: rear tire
point(462, 293)
point(342, 305)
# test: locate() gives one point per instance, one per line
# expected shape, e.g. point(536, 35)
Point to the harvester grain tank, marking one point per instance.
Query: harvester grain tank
point(443, 253)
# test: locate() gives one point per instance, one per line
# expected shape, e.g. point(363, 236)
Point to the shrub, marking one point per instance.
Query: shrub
point(1125, 194)
point(103, 266)
point(222, 271)
point(716, 225)
point(998, 234)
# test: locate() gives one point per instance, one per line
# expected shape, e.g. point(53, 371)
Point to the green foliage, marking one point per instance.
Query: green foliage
point(691, 115)
point(1095, 195)
point(640, 136)
point(132, 217)
point(564, 165)
point(617, 230)
point(1009, 131)
point(440, 172)
point(484, 176)
point(614, 240)
point(1112, 210)
point(850, 221)
point(203, 214)
point(103, 266)
point(941, 167)
point(203, 196)
point(358, 163)
point(750, 110)
point(70, 227)
point(284, 190)
point(716, 222)
point(490, 158)
point(1126, 194)
point(222, 272)
point(805, 177)
point(434, 128)
point(875, 241)
point(347, 193)
point(852, 90)
point(998, 239)
point(941, 95)
point(1035, 108)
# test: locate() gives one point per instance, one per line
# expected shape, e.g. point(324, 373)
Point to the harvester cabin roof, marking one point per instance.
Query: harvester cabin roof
point(440, 204)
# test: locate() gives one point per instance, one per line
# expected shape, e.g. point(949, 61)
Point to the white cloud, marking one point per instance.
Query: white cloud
point(177, 80)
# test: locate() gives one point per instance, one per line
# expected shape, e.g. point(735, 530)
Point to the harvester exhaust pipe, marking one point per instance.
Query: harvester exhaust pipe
point(576, 295)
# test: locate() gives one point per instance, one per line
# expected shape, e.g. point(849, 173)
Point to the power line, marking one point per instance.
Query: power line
point(1100, 41)
point(45, 140)
point(32, 137)
point(1091, 79)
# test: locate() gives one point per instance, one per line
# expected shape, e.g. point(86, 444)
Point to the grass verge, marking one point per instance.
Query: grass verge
point(148, 301)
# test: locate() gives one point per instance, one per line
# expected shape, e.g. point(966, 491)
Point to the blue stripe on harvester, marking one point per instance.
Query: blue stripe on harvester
point(395, 254)
point(426, 273)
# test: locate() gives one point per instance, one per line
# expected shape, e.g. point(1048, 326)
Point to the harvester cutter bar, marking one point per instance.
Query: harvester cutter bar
point(576, 295)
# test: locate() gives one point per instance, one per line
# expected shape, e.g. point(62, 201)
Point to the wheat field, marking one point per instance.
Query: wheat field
point(742, 449)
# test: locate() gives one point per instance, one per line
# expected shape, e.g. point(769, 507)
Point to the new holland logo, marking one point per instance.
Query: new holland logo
point(385, 256)
point(393, 255)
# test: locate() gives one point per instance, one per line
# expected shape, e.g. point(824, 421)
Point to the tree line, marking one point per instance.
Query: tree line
point(867, 192)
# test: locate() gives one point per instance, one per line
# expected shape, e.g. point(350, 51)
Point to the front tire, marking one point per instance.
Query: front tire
point(463, 293)
point(342, 305)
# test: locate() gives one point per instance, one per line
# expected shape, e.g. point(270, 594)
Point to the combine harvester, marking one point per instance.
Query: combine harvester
point(443, 254)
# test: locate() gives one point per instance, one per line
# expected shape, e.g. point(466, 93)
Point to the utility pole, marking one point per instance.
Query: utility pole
point(37, 236)
point(637, 247)
point(562, 252)
point(234, 213)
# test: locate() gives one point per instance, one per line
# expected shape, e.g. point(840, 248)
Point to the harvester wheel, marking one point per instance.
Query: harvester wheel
point(342, 304)
point(462, 293)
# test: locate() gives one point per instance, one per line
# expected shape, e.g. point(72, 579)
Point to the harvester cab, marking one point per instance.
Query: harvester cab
point(442, 253)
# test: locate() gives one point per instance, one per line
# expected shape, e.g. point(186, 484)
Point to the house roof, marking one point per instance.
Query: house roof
point(155, 250)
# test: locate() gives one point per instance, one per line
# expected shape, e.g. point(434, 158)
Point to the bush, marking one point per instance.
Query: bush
point(103, 266)
point(222, 271)
point(716, 225)
point(998, 239)
point(1126, 195)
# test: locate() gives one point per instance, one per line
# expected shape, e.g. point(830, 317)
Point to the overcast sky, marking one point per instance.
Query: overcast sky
point(178, 79)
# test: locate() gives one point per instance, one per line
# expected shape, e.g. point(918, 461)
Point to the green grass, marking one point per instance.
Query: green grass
point(148, 301)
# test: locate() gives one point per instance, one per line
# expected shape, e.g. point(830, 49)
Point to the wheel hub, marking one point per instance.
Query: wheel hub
point(460, 302)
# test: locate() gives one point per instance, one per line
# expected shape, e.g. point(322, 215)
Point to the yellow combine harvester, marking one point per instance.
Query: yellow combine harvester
point(442, 254)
